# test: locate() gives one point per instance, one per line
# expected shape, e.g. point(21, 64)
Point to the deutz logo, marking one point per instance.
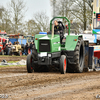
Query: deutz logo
point(44, 44)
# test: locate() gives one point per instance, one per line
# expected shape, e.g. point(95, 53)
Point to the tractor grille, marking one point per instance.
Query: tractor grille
point(44, 46)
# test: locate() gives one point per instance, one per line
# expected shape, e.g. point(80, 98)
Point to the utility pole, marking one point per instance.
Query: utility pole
point(84, 14)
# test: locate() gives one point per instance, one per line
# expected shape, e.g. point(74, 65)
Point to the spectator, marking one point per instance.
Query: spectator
point(26, 49)
point(31, 45)
point(9, 47)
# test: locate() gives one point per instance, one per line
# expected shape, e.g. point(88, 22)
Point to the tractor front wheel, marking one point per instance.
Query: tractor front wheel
point(29, 63)
point(63, 64)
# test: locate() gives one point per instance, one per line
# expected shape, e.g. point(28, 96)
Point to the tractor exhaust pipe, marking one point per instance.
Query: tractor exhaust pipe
point(52, 30)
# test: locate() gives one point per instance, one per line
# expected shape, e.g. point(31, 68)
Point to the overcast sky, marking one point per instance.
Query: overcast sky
point(33, 6)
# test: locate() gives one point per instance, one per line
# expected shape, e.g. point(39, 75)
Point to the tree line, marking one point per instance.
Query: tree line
point(12, 19)
point(79, 12)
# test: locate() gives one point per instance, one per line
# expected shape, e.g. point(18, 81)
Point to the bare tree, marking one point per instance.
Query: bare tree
point(18, 10)
point(78, 10)
point(41, 22)
point(31, 27)
point(62, 8)
point(6, 21)
point(82, 11)
point(1, 11)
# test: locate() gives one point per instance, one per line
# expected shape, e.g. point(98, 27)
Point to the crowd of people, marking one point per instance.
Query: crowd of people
point(26, 48)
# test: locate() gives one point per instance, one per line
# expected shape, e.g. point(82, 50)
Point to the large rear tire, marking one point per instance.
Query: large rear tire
point(63, 64)
point(78, 58)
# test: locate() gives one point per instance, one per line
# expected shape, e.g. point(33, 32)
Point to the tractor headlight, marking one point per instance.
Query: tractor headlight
point(42, 54)
point(49, 55)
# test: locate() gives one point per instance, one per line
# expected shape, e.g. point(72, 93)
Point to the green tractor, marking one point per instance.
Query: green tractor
point(48, 51)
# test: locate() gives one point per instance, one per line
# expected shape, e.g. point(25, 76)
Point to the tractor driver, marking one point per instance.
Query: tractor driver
point(57, 27)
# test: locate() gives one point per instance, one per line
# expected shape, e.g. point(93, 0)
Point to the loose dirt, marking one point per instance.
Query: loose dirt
point(12, 58)
point(20, 85)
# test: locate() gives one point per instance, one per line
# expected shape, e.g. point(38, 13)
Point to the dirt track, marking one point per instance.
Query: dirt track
point(12, 58)
point(20, 85)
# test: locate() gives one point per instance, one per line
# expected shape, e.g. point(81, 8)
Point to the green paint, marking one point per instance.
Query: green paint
point(37, 36)
point(71, 43)
point(94, 32)
point(54, 42)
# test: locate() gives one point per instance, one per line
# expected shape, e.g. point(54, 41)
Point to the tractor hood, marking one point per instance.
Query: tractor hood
point(42, 42)
point(40, 36)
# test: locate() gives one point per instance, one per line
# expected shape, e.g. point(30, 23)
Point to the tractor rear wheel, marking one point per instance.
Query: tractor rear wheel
point(78, 58)
point(63, 64)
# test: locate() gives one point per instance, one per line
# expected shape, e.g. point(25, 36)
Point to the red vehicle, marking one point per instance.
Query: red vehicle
point(3, 42)
point(3, 34)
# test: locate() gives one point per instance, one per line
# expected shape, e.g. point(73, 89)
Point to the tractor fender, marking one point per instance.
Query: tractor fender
point(71, 42)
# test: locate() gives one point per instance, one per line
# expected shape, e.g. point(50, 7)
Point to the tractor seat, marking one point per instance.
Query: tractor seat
point(61, 24)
